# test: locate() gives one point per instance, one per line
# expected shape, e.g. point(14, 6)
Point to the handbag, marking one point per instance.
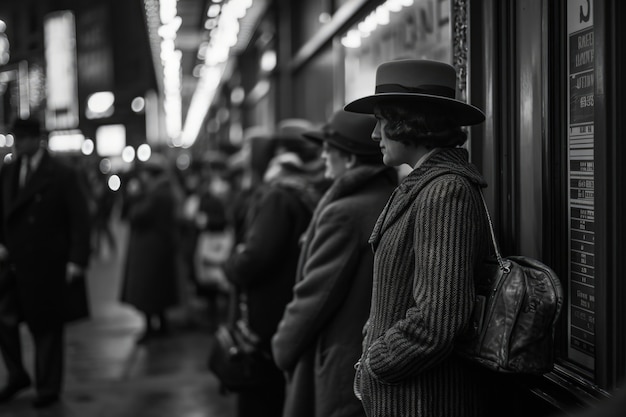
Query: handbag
point(518, 302)
point(235, 355)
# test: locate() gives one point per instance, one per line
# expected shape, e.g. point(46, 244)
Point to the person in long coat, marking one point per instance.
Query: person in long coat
point(318, 340)
point(150, 281)
point(44, 243)
point(428, 241)
point(263, 265)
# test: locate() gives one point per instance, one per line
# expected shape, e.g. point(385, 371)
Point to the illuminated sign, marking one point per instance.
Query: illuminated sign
point(61, 84)
point(110, 140)
point(419, 29)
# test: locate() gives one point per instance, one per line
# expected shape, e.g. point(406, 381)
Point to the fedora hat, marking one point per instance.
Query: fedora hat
point(419, 81)
point(288, 136)
point(350, 132)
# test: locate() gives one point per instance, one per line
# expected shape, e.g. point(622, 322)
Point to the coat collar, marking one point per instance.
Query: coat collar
point(39, 179)
point(347, 184)
point(446, 161)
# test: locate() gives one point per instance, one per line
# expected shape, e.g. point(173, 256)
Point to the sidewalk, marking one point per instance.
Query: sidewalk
point(109, 375)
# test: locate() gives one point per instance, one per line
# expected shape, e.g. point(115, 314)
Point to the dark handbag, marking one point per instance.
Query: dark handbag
point(518, 302)
point(76, 303)
point(235, 356)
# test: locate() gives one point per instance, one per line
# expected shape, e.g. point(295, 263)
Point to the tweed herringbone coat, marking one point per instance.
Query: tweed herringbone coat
point(427, 242)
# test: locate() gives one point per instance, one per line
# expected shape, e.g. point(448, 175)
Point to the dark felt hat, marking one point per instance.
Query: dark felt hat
point(289, 136)
point(419, 81)
point(350, 132)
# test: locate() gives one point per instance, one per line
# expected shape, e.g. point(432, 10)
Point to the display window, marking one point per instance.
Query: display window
point(396, 29)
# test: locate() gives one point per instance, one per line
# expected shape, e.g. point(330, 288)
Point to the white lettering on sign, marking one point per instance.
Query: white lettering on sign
point(584, 58)
point(584, 81)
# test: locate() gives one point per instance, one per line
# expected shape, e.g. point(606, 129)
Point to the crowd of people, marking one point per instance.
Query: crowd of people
point(357, 279)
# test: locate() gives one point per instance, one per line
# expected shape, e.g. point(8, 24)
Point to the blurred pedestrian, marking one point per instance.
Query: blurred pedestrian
point(263, 266)
point(215, 242)
point(44, 243)
point(249, 164)
point(103, 201)
point(187, 228)
point(427, 242)
point(319, 338)
point(150, 282)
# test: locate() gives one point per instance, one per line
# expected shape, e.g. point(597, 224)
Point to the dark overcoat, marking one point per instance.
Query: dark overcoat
point(322, 325)
point(428, 241)
point(265, 266)
point(44, 226)
point(150, 282)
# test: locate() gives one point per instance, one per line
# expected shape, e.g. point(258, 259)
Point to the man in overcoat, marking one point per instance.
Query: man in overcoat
point(318, 340)
point(44, 243)
point(263, 266)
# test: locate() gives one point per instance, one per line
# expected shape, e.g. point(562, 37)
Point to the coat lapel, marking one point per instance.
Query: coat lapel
point(400, 200)
point(38, 180)
point(405, 194)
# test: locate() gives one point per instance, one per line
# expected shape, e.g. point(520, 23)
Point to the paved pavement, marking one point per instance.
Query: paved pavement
point(109, 375)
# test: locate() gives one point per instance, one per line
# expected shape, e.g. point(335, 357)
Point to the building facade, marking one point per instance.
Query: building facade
point(547, 75)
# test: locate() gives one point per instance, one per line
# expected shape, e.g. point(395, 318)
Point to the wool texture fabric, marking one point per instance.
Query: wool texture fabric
point(318, 340)
point(427, 241)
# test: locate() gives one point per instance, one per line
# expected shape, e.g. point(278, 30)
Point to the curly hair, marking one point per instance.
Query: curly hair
point(409, 122)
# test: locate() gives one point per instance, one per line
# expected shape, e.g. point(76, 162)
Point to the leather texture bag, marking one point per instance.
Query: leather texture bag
point(235, 356)
point(518, 302)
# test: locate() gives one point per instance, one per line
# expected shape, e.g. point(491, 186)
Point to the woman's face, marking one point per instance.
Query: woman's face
point(335, 161)
point(394, 152)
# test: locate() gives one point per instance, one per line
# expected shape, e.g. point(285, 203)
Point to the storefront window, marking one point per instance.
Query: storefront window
point(394, 30)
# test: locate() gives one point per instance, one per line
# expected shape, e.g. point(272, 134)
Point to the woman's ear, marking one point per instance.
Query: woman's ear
point(351, 161)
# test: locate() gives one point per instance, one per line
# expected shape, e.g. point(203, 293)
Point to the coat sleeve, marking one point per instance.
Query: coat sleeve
point(79, 220)
point(445, 240)
point(264, 241)
point(327, 276)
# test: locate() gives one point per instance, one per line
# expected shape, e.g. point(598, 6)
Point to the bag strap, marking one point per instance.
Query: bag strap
point(501, 263)
point(237, 306)
point(243, 307)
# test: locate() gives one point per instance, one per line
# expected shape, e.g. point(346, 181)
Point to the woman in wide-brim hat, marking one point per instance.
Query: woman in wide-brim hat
point(427, 241)
point(331, 298)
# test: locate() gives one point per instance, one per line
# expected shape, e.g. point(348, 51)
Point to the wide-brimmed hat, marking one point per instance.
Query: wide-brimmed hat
point(293, 128)
point(419, 81)
point(350, 132)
